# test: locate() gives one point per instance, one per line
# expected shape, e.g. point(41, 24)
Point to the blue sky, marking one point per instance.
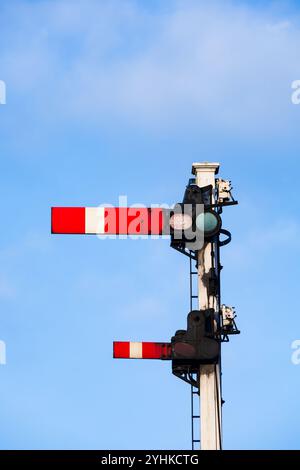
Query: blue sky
point(109, 98)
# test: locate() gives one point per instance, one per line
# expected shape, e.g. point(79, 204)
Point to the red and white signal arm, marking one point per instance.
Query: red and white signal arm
point(142, 350)
point(109, 220)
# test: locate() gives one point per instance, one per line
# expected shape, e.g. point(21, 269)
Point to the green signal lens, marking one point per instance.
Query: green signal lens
point(209, 222)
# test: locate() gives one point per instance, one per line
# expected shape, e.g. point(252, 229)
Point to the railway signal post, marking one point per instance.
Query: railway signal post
point(195, 229)
point(209, 375)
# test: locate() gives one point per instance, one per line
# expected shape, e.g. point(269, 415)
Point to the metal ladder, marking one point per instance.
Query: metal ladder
point(195, 418)
point(195, 402)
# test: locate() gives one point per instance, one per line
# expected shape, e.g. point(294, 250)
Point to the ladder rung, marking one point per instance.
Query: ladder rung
point(194, 272)
point(194, 296)
point(196, 440)
point(196, 417)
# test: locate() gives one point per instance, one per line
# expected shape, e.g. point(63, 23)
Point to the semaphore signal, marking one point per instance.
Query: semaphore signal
point(195, 229)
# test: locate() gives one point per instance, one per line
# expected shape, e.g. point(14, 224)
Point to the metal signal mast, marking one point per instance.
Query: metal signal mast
point(195, 227)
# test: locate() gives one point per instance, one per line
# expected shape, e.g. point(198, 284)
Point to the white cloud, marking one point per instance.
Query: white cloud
point(196, 65)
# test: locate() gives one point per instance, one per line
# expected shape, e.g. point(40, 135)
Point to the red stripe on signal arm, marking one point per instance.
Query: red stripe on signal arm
point(157, 351)
point(150, 350)
point(117, 221)
point(68, 220)
point(121, 349)
point(133, 221)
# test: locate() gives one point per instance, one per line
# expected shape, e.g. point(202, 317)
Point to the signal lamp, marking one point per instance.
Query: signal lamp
point(209, 222)
point(181, 221)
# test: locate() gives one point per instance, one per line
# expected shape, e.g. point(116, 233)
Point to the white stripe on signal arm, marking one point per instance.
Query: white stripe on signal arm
point(94, 220)
point(136, 350)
